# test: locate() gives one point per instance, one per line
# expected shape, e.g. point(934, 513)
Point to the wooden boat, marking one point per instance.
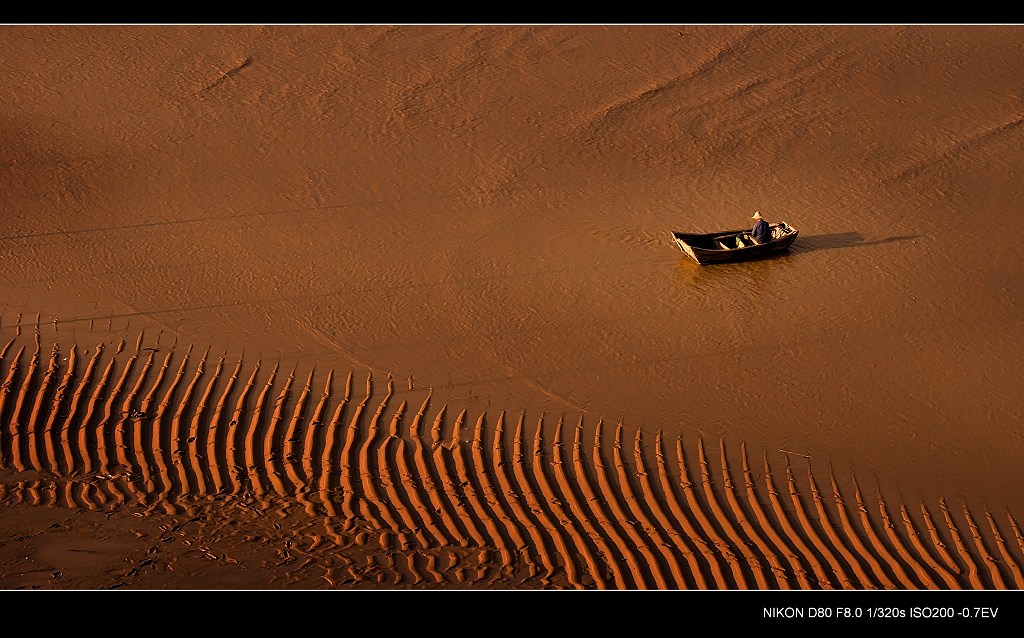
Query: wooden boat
point(733, 245)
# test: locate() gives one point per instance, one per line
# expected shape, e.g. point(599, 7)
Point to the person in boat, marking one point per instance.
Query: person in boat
point(761, 232)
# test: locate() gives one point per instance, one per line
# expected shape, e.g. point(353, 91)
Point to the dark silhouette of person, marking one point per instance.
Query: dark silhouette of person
point(761, 232)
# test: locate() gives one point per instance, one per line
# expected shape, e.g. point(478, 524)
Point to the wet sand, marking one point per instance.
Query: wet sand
point(410, 291)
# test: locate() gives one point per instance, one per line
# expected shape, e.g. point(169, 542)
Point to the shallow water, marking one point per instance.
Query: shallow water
point(486, 211)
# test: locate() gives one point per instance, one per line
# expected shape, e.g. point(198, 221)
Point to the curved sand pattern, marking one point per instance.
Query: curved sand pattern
point(486, 206)
point(376, 491)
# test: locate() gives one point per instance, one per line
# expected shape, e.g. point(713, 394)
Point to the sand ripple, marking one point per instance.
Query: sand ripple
point(437, 497)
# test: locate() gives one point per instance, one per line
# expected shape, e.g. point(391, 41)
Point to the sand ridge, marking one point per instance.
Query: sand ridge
point(445, 507)
point(395, 305)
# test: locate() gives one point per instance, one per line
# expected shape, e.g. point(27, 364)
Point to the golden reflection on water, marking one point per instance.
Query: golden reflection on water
point(742, 277)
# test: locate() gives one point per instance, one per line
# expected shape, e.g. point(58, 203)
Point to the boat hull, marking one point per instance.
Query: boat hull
point(733, 245)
